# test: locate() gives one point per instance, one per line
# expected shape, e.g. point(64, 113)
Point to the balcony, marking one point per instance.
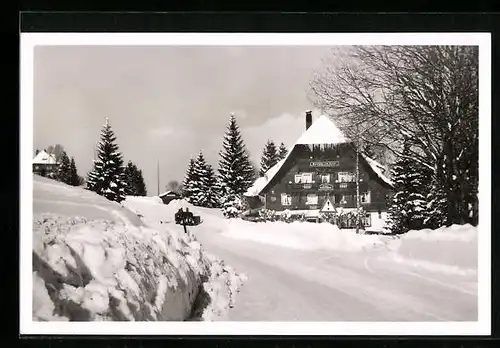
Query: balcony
point(337, 187)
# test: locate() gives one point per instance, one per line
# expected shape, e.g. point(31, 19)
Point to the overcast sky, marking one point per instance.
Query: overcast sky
point(168, 103)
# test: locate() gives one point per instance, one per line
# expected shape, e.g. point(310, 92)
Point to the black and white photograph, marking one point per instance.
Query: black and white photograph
point(222, 182)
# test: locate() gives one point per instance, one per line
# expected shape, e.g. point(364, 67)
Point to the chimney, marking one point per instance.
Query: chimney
point(308, 119)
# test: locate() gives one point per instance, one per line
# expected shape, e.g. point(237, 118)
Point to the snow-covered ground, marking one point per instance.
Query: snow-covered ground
point(98, 260)
point(314, 272)
point(133, 262)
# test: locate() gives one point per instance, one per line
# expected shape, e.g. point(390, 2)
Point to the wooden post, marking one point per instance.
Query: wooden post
point(158, 176)
point(358, 217)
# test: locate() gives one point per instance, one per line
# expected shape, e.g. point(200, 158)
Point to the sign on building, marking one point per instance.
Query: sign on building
point(328, 206)
point(325, 187)
point(324, 164)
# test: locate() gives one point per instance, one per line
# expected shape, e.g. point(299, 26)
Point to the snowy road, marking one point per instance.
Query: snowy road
point(286, 285)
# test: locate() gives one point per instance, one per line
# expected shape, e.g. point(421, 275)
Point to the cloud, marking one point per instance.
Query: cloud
point(161, 131)
point(286, 128)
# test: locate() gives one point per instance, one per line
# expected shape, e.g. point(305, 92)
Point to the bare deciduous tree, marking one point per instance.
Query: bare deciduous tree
point(426, 93)
point(174, 186)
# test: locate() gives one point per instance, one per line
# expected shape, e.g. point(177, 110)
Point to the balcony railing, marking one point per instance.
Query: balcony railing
point(338, 187)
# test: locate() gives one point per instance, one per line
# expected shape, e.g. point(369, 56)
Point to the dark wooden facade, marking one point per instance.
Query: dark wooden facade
point(312, 174)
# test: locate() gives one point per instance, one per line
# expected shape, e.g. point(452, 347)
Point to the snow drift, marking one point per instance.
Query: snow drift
point(301, 235)
point(451, 249)
point(97, 260)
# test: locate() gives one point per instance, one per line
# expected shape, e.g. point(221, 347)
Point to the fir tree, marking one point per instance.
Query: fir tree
point(204, 184)
point(135, 180)
point(282, 152)
point(107, 176)
point(269, 157)
point(435, 209)
point(232, 206)
point(187, 184)
point(75, 180)
point(64, 170)
point(235, 169)
point(408, 209)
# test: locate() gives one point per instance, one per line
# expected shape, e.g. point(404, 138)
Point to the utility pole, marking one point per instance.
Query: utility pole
point(358, 217)
point(158, 175)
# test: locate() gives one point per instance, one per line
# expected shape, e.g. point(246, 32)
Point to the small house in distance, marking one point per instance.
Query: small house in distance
point(319, 175)
point(169, 196)
point(44, 164)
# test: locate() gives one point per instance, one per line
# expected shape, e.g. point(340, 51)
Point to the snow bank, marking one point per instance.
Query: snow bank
point(223, 284)
point(102, 270)
point(142, 199)
point(301, 235)
point(97, 260)
point(451, 249)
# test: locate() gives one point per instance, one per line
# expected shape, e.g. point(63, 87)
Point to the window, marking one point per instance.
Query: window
point(343, 199)
point(365, 197)
point(312, 199)
point(303, 178)
point(367, 221)
point(346, 177)
point(286, 199)
point(325, 179)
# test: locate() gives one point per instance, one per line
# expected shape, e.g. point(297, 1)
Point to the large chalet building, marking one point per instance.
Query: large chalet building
point(319, 175)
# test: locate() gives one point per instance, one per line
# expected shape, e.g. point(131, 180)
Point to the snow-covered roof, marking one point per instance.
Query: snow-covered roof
point(378, 169)
point(262, 181)
point(44, 158)
point(322, 131)
point(168, 193)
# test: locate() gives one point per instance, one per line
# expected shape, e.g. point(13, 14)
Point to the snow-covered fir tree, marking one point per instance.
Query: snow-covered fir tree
point(435, 209)
point(204, 184)
point(187, 183)
point(408, 208)
point(232, 206)
point(76, 180)
point(269, 157)
point(107, 176)
point(135, 181)
point(282, 152)
point(236, 172)
point(64, 169)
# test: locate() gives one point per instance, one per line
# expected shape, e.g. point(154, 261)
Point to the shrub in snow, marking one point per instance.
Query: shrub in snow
point(232, 206)
point(326, 217)
point(267, 215)
point(107, 178)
